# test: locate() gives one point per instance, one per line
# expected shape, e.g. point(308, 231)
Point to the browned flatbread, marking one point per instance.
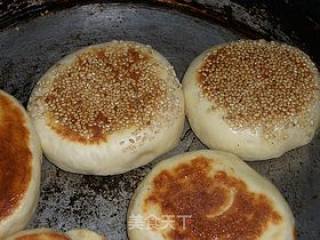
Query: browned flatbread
point(108, 108)
point(208, 195)
point(20, 159)
point(256, 99)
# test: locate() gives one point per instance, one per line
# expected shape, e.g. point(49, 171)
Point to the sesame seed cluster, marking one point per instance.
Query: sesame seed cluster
point(109, 89)
point(259, 83)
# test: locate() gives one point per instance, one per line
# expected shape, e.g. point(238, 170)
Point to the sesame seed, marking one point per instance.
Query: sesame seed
point(106, 89)
point(258, 82)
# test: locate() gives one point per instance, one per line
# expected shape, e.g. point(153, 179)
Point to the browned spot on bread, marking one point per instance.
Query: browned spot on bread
point(15, 156)
point(70, 134)
point(44, 236)
point(106, 90)
point(221, 206)
point(295, 234)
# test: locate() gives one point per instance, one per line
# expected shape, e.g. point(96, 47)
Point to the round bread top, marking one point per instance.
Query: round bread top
point(15, 156)
point(107, 88)
point(208, 203)
point(259, 83)
point(43, 236)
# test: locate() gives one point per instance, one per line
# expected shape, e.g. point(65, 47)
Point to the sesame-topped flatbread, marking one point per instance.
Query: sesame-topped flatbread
point(108, 108)
point(208, 195)
point(20, 160)
point(257, 99)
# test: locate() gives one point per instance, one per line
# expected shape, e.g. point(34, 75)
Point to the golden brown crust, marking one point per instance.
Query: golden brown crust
point(71, 135)
point(259, 83)
point(220, 206)
point(44, 236)
point(103, 90)
point(15, 156)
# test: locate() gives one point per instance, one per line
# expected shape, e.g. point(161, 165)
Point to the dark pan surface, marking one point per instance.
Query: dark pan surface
point(100, 203)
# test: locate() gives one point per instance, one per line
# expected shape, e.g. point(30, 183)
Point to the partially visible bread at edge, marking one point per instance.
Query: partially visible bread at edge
point(108, 108)
point(20, 165)
point(84, 234)
point(49, 234)
point(207, 195)
point(256, 99)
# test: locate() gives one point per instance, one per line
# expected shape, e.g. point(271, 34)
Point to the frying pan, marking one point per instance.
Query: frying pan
point(34, 34)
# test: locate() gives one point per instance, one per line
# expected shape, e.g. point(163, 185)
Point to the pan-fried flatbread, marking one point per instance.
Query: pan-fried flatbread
point(108, 108)
point(256, 99)
point(20, 160)
point(206, 195)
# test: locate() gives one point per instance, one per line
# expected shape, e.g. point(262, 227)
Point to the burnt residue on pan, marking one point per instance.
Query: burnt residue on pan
point(35, 34)
point(291, 21)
